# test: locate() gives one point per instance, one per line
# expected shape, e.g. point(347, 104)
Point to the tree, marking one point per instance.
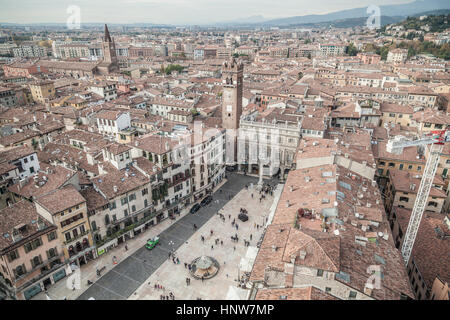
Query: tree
point(173, 67)
point(411, 52)
point(351, 50)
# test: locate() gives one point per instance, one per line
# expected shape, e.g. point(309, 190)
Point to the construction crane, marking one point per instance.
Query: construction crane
point(396, 146)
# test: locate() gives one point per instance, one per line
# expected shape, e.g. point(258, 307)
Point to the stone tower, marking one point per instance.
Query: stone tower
point(232, 75)
point(109, 63)
point(232, 84)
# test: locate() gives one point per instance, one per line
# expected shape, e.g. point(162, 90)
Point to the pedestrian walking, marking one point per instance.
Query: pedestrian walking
point(252, 195)
point(203, 278)
point(185, 265)
point(234, 248)
point(229, 216)
point(250, 237)
point(126, 248)
point(212, 232)
point(212, 247)
point(178, 261)
point(221, 242)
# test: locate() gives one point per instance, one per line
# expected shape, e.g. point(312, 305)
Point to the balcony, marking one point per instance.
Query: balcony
point(76, 238)
point(79, 254)
point(42, 274)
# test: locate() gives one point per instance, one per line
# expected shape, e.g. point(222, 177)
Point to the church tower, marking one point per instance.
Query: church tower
point(232, 84)
point(109, 63)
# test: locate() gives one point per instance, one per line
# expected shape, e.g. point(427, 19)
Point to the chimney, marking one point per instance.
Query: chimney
point(302, 254)
point(368, 288)
point(287, 204)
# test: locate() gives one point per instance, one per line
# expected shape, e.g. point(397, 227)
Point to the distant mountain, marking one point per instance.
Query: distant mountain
point(243, 21)
point(349, 23)
point(407, 9)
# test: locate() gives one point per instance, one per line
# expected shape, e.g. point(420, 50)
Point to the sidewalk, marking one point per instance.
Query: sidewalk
point(89, 271)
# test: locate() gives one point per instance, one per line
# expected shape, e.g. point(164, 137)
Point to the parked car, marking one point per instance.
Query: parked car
point(195, 208)
point(206, 201)
point(230, 168)
point(151, 243)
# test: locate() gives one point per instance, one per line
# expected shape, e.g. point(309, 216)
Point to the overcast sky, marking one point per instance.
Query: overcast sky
point(171, 11)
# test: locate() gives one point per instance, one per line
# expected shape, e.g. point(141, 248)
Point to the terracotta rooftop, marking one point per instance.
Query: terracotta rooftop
point(432, 245)
point(61, 199)
point(22, 213)
point(124, 180)
point(305, 293)
point(56, 177)
point(402, 181)
point(338, 194)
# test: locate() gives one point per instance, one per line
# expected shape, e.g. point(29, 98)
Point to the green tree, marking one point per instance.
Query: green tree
point(411, 52)
point(351, 50)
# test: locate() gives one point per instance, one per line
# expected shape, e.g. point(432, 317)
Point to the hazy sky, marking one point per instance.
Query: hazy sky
point(171, 11)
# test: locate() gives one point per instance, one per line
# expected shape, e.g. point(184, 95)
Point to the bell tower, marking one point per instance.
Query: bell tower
point(109, 63)
point(232, 76)
point(232, 84)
